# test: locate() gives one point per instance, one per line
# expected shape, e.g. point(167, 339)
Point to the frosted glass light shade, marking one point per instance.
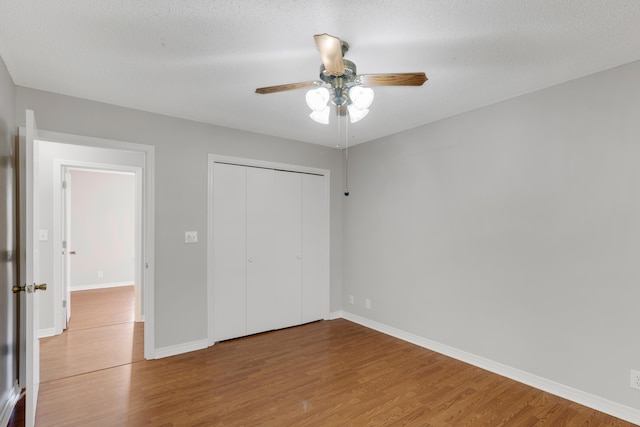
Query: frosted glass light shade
point(321, 116)
point(362, 97)
point(317, 99)
point(356, 114)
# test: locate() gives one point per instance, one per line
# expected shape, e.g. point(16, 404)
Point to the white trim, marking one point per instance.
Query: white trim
point(101, 285)
point(210, 336)
point(9, 405)
point(46, 332)
point(583, 398)
point(174, 350)
point(67, 138)
point(147, 259)
point(214, 158)
point(240, 161)
point(336, 315)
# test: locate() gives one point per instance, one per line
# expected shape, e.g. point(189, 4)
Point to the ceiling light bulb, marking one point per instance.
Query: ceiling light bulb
point(321, 116)
point(361, 96)
point(356, 114)
point(317, 98)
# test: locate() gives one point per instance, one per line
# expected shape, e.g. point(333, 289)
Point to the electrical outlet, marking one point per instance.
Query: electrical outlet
point(635, 379)
point(100, 274)
point(352, 300)
point(367, 303)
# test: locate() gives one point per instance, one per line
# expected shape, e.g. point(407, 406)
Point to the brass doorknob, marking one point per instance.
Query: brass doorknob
point(17, 289)
point(42, 287)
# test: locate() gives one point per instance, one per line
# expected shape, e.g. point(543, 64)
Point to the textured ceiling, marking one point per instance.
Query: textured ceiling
point(203, 59)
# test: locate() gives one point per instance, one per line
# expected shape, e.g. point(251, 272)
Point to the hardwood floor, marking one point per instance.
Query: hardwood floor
point(328, 373)
point(100, 307)
point(101, 334)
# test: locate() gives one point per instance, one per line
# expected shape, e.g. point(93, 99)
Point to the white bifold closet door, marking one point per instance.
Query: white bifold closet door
point(273, 249)
point(229, 251)
point(269, 261)
point(315, 262)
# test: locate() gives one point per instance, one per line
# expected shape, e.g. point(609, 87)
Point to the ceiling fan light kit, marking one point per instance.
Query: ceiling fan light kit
point(317, 99)
point(361, 96)
point(357, 98)
point(340, 83)
point(356, 114)
point(321, 116)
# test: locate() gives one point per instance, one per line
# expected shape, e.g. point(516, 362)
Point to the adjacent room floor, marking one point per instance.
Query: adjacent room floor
point(328, 373)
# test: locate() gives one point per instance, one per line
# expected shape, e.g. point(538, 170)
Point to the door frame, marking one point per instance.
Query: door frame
point(60, 290)
point(240, 161)
point(147, 240)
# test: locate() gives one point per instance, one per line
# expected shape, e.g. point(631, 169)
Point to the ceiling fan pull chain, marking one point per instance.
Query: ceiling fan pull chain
point(346, 157)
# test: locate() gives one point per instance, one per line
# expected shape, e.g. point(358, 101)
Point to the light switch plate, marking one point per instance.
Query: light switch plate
point(190, 236)
point(43, 235)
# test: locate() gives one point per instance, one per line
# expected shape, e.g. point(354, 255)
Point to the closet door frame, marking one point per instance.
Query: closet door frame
point(212, 160)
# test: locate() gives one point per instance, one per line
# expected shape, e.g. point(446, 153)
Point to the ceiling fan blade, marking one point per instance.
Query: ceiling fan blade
point(393, 79)
point(330, 48)
point(282, 88)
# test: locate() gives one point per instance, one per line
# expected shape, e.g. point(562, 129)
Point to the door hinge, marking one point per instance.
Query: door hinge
point(64, 303)
point(64, 185)
point(64, 244)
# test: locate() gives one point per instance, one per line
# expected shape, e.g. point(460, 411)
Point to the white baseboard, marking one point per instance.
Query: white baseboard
point(598, 403)
point(336, 315)
point(101, 285)
point(7, 408)
point(47, 332)
point(174, 350)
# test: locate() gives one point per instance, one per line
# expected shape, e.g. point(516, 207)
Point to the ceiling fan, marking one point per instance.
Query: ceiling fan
point(340, 83)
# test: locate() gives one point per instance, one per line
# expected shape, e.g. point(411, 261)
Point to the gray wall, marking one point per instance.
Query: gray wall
point(102, 228)
point(8, 273)
point(511, 232)
point(181, 193)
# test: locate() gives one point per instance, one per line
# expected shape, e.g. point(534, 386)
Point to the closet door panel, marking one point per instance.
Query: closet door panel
point(229, 252)
point(315, 280)
point(261, 258)
point(287, 249)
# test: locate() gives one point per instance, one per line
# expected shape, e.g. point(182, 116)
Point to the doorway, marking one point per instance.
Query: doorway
point(100, 221)
point(57, 161)
point(57, 155)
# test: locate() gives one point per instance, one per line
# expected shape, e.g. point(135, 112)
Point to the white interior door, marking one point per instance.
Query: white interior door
point(29, 261)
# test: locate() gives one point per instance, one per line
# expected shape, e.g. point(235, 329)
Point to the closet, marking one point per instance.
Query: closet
point(269, 249)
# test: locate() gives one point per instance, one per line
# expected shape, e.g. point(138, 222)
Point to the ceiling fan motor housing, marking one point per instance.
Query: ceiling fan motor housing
point(349, 73)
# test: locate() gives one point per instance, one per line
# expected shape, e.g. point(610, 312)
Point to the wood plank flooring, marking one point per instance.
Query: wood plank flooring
point(100, 307)
point(101, 334)
point(328, 373)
